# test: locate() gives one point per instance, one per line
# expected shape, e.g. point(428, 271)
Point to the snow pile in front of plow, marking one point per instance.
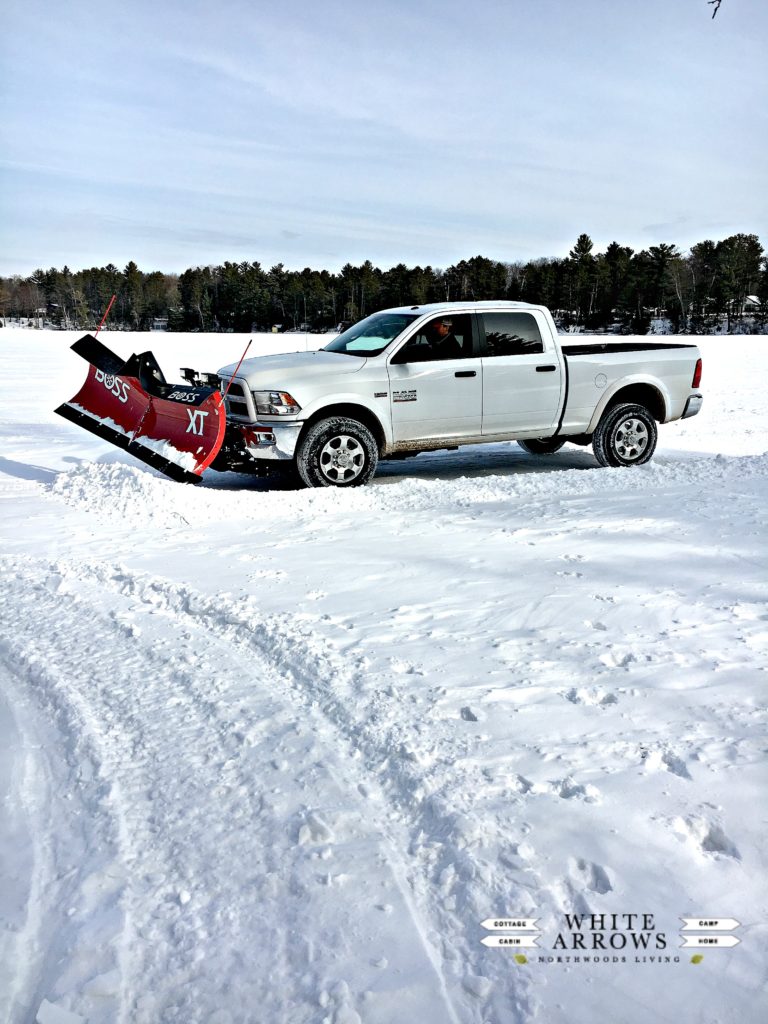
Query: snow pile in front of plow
point(121, 492)
point(272, 754)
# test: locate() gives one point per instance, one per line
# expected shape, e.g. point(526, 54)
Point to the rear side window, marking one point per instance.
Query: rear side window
point(511, 334)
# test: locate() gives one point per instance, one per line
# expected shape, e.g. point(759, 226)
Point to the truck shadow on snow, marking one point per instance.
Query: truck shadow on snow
point(482, 460)
point(470, 462)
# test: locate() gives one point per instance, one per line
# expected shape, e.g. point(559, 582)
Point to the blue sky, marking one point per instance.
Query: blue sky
point(185, 133)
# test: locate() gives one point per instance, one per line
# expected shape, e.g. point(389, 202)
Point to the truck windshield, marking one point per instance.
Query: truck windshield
point(372, 335)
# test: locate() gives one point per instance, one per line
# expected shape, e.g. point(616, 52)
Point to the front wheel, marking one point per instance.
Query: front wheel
point(625, 436)
point(542, 445)
point(337, 452)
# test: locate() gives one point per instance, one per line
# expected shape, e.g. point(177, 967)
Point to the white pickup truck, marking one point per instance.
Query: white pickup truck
point(421, 378)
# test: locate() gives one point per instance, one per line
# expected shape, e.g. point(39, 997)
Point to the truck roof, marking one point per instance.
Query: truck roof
point(443, 307)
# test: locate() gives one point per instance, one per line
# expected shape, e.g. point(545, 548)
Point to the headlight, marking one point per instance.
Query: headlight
point(275, 403)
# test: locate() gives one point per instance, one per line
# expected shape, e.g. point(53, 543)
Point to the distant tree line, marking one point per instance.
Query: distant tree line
point(712, 286)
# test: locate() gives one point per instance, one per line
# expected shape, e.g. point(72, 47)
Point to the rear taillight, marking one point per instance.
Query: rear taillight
point(696, 382)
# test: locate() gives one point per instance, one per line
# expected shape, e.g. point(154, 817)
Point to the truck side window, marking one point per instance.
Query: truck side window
point(511, 334)
point(446, 337)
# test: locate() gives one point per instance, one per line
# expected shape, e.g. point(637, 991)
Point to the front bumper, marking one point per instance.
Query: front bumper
point(692, 406)
point(272, 441)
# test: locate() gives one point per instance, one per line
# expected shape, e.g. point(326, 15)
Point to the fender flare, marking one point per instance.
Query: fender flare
point(662, 401)
point(351, 405)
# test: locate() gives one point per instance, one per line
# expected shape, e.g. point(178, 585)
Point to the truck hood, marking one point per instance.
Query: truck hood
point(271, 372)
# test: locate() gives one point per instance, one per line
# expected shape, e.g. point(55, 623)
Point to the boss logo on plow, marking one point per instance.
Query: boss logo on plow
point(118, 387)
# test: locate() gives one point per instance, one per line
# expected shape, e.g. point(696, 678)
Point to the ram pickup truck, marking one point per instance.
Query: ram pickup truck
point(421, 378)
point(400, 382)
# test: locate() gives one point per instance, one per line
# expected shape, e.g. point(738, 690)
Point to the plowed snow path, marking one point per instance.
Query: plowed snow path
point(225, 822)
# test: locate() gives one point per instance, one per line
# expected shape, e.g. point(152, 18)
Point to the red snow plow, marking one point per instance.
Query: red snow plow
point(176, 428)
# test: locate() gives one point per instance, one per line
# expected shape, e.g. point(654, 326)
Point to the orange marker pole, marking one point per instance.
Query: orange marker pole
point(111, 301)
point(242, 357)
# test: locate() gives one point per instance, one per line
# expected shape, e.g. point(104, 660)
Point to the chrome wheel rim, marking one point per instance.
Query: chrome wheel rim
point(342, 459)
point(631, 439)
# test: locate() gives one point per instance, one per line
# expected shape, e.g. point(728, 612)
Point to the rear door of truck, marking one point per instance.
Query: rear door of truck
point(523, 375)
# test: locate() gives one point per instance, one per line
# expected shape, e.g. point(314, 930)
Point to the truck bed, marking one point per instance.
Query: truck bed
point(593, 369)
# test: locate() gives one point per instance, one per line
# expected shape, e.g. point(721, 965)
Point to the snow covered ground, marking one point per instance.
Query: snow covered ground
point(273, 756)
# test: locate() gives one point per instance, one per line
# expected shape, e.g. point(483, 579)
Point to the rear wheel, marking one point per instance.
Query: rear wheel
point(337, 452)
point(625, 436)
point(542, 445)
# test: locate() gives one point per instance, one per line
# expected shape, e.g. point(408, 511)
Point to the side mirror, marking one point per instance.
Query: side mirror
point(412, 352)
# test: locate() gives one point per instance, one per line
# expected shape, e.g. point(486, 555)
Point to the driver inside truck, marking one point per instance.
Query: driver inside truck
point(442, 340)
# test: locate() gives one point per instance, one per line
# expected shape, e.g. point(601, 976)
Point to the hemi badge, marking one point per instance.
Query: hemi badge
point(379, 394)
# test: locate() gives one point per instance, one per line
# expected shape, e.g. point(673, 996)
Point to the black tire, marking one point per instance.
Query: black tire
point(337, 452)
point(542, 445)
point(625, 436)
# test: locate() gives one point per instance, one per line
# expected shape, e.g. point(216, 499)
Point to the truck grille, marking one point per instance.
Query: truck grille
point(238, 402)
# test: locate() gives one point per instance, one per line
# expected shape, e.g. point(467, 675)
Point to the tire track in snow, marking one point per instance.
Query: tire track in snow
point(441, 872)
point(73, 877)
point(29, 819)
point(234, 882)
point(94, 690)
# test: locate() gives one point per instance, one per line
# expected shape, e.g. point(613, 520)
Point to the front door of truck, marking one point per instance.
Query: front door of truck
point(436, 381)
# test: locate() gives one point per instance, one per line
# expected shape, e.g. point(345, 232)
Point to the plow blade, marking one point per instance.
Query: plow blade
point(175, 428)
